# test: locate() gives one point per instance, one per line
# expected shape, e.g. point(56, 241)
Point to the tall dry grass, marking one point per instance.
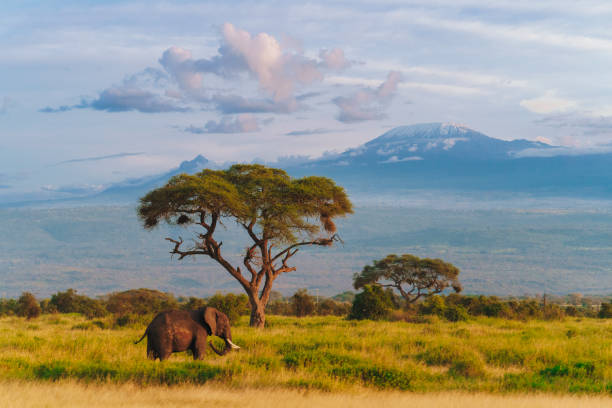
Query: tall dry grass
point(328, 354)
point(71, 394)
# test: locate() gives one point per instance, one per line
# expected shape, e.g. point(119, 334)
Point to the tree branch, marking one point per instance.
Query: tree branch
point(247, 261)
point(318, 241)
point(183, 254)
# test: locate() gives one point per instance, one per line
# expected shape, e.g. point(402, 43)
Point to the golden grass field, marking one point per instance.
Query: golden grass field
point(71, 394)
point(56, 359)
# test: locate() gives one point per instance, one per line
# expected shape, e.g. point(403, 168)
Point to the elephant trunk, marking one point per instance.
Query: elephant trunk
point(219, 352)
point(228, 347)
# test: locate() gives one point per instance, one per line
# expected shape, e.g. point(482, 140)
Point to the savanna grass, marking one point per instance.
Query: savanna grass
point(328, 354)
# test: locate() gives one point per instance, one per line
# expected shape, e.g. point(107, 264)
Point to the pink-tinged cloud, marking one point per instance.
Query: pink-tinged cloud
point(334, 59)
point(179, 64)
point(368, 103)
point(277, 71)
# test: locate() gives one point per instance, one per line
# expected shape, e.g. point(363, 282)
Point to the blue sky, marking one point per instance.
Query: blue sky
point(93, 92)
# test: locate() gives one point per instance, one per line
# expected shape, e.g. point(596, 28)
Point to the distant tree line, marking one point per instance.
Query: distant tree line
point(376, 303)
point(128, 306)
point(373, 302)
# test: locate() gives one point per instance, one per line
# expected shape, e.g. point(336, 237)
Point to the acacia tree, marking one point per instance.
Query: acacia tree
point(412, 276)
point(278, 213)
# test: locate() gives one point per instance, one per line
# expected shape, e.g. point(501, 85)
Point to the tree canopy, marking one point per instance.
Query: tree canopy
point(279, 214)
point(412, 276)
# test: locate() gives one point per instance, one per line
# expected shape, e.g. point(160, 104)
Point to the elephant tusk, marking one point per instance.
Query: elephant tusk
point(235, 347)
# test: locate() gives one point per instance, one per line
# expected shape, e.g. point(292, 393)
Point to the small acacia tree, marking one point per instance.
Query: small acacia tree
point(412, 276)
point(27, 306)
point(278, 213)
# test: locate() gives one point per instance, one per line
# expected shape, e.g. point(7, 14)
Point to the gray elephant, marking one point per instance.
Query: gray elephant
point(181, 330)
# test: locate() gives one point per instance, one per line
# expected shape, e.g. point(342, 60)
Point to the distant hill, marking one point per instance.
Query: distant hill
point(432, 156)
point(445, 156)
point(440, 156)
point(132, 189)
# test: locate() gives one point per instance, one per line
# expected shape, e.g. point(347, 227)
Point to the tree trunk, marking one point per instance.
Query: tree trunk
point(258, 314)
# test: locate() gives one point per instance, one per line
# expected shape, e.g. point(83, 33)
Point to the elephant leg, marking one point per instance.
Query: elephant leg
point(151, 353)
point(199, 345)
point(164, 354)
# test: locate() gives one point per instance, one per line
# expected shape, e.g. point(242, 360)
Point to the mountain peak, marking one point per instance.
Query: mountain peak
point(434, 130)
point(193, 166)
point(434, 142)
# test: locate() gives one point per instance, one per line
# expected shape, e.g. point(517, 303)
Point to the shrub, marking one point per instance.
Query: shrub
point(605, 311)
point(193, 303)
point(129, 319)
point(47, 307)
point(279, 307)
point(572, 311)
point(469, 366)
point(140, 301)
point(372, 303)
point(552, 312)
point(70, 302)
point(8, 307)
point(231, 304)
point(434, 305)
point(526, 309)
point(331, 307)
point(456, 313)
point(302, 303)
point(27, 306)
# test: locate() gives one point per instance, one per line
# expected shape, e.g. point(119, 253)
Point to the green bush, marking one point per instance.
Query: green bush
point(380, 377)
point(193, 303)
point(434, 305)
point(302, 304)
point(372, 303)
point(278, 307)
point(132, 319)
point(27, 306)
point(468, 366)
point(140, 301)
point(456, 313)
point(329, 307)
point(8, 307)
point(231, 304)
point(48, 307)
point(442, 354)
point(605, 311)
point(70, 302)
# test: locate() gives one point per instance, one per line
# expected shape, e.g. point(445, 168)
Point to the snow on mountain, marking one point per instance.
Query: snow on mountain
point(434, 141)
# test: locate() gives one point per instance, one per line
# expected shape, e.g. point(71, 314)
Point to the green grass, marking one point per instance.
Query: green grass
point(327, 353)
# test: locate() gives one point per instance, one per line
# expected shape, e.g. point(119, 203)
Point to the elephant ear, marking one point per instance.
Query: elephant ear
point(210, 318)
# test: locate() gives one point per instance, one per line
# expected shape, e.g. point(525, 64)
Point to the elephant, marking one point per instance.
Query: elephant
point(180, 330)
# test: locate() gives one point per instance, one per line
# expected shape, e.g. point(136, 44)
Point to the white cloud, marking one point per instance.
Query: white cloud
point(525, 34)
point(548, 103)
point(240, 124)
point(544, 139)
point(395, 159)
point(367, 103)
point(178, 63)
point(334, 59)
point(276, 70)
point(436, 88)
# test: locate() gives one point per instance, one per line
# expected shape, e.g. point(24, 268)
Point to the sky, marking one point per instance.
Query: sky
point(94, 92)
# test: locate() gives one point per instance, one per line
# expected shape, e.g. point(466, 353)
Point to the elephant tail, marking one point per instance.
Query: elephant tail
point(143, 336)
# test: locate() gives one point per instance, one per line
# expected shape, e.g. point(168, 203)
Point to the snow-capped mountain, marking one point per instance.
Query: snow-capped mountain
point(433, 141)
point(454, 157)
point(439, 156)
